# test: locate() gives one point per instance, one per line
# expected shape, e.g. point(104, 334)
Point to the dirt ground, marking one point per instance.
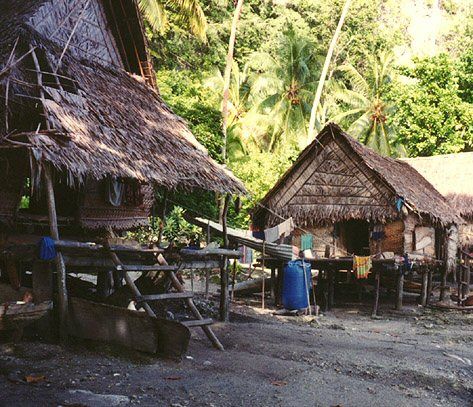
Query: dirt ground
point(345, 358)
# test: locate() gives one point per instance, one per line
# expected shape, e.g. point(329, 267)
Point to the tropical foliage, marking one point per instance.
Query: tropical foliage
point(383, 86)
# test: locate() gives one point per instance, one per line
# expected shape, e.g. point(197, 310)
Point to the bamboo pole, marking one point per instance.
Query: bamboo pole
point(60, 266)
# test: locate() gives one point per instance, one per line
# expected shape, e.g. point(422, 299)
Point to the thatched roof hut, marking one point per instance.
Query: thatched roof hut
point(337, 178)
point(451, 175)
point(78, 91)
point(339, 190)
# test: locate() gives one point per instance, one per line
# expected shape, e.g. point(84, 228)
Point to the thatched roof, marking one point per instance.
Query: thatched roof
point(451, 175)
point(337, 178)
point(102, 120)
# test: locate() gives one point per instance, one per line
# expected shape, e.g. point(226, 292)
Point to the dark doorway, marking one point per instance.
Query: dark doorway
point(355, 236)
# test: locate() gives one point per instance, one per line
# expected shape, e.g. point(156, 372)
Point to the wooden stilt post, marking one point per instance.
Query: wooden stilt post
point(443, 287)
point(376, 294)
point(224, 296)
point(429, 284)
point(331, 288)
point(423, 291)
point(468, 275)
point(263, 288)
point(273, 284)
point(400, 288)
point(207, 271)
point(60, 266)
point(235, 264)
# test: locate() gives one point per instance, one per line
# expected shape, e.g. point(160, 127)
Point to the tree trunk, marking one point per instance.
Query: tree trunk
point(328, 58)
point(227, 75)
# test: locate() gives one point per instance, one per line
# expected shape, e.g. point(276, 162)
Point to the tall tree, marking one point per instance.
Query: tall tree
point(188, 13)
point(366, 105)
point(323, 75)
point(227, 75)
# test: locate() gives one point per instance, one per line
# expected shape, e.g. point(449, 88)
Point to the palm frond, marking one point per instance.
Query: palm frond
point(357, 81)
point(191, 13)
point(154, 12)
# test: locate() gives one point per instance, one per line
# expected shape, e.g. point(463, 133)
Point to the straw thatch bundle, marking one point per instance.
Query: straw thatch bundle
point(451, 175)
point(336, 178)
point(100, 119)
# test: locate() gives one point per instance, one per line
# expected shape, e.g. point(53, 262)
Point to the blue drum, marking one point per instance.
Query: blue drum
point(297, 284)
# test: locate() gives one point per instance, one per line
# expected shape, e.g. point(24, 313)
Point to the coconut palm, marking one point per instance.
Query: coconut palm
point(285, 85)
point(365, 108)
point(189, 13)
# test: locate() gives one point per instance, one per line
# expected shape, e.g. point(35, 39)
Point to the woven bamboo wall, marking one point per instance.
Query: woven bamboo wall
point(95, 212)
point(91, 38)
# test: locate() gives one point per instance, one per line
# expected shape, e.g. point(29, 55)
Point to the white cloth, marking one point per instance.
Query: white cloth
point(271, 234)
point(284, 229)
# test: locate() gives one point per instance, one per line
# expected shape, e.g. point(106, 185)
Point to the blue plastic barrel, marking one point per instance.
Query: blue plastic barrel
point(295, 286)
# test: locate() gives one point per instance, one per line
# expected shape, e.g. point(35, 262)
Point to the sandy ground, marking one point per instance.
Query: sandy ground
point(345, 358)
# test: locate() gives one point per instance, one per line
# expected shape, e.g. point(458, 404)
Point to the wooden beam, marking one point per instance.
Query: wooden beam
point(166, 296)
point(376, 293)
point(198, 322)
point(224, 294)
point(60, 266)
point(400, 288)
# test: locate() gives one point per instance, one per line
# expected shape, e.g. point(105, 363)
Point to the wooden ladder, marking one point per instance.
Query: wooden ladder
point(181, 294)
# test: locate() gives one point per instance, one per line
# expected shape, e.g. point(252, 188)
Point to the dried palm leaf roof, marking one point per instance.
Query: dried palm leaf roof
point(451, 175)
point(398, 176)
point(107, 122)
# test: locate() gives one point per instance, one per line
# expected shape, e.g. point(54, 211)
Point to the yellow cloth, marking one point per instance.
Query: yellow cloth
point(361, 266)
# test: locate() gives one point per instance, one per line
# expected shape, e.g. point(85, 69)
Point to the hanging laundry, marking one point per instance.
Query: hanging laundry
point(361, 266)
point(286, 228)
point(378, 232)
point(399, 203)
point(307, 241)
point(47, 249)
point(271, 234)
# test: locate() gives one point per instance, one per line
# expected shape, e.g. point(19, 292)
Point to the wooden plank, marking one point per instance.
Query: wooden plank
point(132, 329)
point(198, 322)
point(144, 268)
point(233, 254)
point(199, 265)
point(166, 296)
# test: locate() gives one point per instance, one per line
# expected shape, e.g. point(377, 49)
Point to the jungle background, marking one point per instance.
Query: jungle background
point(400, 80)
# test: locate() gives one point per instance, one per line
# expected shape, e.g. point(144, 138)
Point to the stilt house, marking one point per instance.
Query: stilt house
point(452, 176)
point(79, 100)
point(343, 194)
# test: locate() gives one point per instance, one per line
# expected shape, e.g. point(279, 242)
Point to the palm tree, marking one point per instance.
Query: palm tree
point(366, 109)
point(227, 75)
point(285, 85)
point(189, 13)
point(323, 75)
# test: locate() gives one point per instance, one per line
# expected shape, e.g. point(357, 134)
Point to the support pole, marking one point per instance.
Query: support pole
point(376, 294)
point(60, 266)
point(423, 291)
point(443, 287)
point(263, 288)
point(400, 288)
point(224, 296)
point(430, 273)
